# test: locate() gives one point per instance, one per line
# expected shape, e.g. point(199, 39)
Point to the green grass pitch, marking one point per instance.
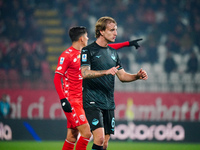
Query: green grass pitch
point(57, 145)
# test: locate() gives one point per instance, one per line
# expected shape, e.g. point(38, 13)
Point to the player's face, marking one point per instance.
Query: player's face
point(85, 40)
point(110, 33)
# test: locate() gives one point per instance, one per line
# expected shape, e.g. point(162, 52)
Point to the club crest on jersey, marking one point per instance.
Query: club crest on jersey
point(113, 57)
point(84, 57)
point(82, 117)
point(62, 60)
point(75, 59)
point(59, 68)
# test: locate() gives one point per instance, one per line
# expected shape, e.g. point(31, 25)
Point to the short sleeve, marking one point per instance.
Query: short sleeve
point(85, 57)
point(63, 63)
point(119, 63)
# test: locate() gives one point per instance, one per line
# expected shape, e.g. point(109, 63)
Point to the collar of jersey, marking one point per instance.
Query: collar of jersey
point(100, 46)
point(72, 48)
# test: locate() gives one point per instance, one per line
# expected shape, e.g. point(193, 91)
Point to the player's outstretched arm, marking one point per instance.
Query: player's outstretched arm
point(125, 44)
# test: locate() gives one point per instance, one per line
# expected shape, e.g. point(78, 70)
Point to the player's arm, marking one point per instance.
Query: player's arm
point(127, 77)
point(125, 44)
point(87, 73)
point(58, 85)
point(66, 106)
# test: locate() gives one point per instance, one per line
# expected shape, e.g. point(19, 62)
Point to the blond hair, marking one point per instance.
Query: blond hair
point(102, 23)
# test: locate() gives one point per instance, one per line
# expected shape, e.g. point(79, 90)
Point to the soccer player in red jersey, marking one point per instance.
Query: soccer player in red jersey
point(68, 71)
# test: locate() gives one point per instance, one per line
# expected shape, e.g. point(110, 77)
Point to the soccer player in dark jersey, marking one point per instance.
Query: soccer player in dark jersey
point(99, 65)
point(70, 91)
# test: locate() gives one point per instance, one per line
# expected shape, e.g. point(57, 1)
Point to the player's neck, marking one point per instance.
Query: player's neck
point(102, 42)
point(77, 46)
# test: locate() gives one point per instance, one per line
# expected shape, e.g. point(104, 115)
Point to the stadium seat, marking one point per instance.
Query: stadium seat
point(157, 68)
point(147, 67)
point(134, 67)
point(177, 58)
point(164, 88)
point(189, 88)
point(186, 78)
point(177, 88)
point(153, 87)
point(162, 53)
point(161, 78)
point(174, 77)
point(197, 78)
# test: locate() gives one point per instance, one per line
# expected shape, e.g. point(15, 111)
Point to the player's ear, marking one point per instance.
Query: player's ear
point(102, 32)
point(81, 38)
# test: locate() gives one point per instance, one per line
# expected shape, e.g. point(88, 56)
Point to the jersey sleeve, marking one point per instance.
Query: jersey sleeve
point(119, 45)
point(119, 63)
point(85, 57)
point(63, 63)
point(58, 85)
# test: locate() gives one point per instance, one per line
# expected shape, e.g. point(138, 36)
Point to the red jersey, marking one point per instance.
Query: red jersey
point(69, 67)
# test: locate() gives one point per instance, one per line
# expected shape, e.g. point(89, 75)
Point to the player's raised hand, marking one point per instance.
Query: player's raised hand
point(142, 74)
point(135, 43)
point(66, 106)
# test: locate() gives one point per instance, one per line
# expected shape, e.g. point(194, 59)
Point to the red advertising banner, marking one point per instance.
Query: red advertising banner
point(39, 104)
point(158, 106)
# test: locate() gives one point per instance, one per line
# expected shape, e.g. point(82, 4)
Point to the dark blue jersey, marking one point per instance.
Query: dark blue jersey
point(99, 92)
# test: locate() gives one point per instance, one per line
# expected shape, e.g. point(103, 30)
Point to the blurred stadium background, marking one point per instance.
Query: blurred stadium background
point(33, 33)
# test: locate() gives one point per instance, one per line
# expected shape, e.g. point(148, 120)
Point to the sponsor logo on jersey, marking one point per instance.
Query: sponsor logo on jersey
point(95, 121)
point(62, 60)
point(113, 57)
point(98, 56)
point(84, 57)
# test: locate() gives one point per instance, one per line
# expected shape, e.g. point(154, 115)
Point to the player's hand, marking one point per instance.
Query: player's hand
point(112, 71)
point(135, 43)
point(142, 74)
point(66, 105)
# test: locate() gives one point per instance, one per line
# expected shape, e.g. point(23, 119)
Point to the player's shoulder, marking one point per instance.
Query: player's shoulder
point(67, 52)
point(110, 48)
point(90, 47)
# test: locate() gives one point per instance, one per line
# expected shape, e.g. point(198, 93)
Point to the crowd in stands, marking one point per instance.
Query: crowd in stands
point(21, 43)
point(170, 24)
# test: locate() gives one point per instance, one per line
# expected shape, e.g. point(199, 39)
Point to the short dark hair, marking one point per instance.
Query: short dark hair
point(76, 32)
